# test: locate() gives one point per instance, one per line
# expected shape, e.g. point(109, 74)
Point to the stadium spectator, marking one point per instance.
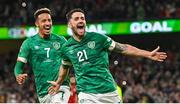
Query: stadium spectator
point(20, 13)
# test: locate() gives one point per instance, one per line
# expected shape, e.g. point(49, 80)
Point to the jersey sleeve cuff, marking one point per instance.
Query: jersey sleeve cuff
point(22, 59)
point(66, 63)
point(112, 46)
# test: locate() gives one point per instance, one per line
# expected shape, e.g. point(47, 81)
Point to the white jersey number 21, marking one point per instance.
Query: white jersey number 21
point(82, 55)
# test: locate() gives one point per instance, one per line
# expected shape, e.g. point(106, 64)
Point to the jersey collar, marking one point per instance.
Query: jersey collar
point(81, 39)
point(44, 38)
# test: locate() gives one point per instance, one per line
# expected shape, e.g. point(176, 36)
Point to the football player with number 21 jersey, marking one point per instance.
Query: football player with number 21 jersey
point(87, 52)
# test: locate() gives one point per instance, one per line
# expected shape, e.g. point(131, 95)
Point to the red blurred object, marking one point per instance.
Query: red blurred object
point(73, 96)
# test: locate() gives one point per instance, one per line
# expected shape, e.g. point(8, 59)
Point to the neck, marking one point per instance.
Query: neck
point(44, 36)
point(77, 37)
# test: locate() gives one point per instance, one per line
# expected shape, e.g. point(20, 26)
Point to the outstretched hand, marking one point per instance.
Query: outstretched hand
point(54, 88)
point(157, 56)
point(21, 78)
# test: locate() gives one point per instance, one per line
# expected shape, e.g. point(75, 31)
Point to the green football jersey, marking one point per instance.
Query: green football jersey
point(44, 57)
point(89, 58)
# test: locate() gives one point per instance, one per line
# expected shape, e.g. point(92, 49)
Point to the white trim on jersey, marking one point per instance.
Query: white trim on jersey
point(66, 63)
point(112, 46)
point(22, 59)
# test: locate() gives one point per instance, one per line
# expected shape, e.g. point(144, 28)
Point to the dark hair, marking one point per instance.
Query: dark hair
point(40, 11)
point(69, 14)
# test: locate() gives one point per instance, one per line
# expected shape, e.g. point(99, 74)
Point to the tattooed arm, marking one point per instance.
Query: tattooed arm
point(130, 50)
point(133, 51)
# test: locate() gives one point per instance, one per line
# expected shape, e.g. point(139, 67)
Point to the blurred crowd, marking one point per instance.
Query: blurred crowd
point(15, 13)
point(141, 80)
point(10, 91)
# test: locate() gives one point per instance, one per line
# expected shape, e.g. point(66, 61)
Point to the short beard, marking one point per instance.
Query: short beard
point(74, 31)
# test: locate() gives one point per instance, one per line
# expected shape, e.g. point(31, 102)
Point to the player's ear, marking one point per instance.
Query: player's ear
point(69, 24)
point(36, 23)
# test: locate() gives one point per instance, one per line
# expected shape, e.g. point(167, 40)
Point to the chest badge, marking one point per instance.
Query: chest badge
point(56, 45)
point(91, 44)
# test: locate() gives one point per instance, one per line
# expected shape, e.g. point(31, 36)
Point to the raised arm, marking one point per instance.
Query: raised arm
point(133, 51)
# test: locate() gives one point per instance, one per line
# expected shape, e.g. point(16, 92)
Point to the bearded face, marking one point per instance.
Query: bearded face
point(78, 24)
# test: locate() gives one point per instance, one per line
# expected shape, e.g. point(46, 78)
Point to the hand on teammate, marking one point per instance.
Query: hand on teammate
point(21, 78)
point(54, 88)
point(158, 56)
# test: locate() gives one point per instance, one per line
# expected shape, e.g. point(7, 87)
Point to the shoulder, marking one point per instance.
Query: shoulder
point(28, 41)
point(58, 37)
point(68, 43)
point(95, 34)
point(32, 38)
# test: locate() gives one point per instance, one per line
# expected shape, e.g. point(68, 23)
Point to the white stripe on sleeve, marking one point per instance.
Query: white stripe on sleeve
point(112, 46)
point(22, 59)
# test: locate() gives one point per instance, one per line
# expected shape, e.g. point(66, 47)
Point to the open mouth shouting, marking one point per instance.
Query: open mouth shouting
point(47, 29)
point(80, 28)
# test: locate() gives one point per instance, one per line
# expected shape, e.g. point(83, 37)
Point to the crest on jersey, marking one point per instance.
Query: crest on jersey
point(91, 44)
point(56, 45)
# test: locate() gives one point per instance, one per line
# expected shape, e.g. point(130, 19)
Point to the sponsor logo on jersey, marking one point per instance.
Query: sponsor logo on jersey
point(91, 44)
point(48, 60)
point(36, 47)
point(56, 45)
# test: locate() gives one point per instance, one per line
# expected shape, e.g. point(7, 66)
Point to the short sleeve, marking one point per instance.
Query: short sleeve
point(24, 52)
point(108, 43)
point(65, 59)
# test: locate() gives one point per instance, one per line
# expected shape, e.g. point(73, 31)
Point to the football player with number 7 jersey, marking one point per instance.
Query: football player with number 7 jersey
point(42, 51)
